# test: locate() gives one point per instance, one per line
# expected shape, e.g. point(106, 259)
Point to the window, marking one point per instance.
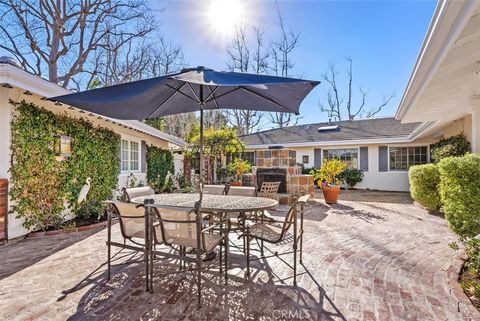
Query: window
point(305, 159)
point(62, 146)
point(129, 156)
point(401, 158)
point(250, 157)
point(349, 156)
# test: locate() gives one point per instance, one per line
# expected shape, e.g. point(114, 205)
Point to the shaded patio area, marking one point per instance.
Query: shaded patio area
point(363, 260)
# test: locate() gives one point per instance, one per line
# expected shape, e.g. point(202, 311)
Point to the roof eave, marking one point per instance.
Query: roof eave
point(438, 40)
point(344, 142)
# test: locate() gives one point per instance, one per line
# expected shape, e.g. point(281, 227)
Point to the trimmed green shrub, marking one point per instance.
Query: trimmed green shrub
point(447, 147)
point(424, 180)
point(352, 176)
point(460, 193)
point(159, 162)
point(41, 184)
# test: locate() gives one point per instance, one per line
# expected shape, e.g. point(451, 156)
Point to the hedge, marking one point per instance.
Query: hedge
point(424, 180)
point(41, 184)
point(460, 193)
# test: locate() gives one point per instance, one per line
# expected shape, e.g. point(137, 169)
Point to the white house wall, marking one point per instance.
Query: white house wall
point(373, 178)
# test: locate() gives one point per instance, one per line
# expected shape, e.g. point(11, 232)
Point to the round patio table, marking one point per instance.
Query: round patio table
point(211, 203)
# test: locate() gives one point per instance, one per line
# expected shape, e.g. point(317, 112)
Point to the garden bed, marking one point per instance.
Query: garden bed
point(80, 225)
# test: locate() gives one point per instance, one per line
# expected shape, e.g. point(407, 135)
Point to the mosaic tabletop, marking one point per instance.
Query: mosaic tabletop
point(216, 203)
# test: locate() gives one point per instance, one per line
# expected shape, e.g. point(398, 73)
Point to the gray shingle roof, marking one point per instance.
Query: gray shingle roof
point(347, 130)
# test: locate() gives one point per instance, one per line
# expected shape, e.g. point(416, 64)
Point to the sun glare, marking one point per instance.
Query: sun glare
point(225, 15)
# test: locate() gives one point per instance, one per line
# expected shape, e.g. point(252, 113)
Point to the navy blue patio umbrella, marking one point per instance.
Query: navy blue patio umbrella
point(191, 90)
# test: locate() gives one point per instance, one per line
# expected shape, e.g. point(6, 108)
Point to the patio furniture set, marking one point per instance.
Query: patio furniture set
point(190, 228)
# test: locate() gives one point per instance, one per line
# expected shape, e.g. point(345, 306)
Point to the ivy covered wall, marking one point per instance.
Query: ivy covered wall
point(159, 162)
point(41, 185)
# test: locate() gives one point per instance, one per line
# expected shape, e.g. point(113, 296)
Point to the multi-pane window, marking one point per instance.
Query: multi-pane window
point(129, 156)
point(349, 156)
point(401, 158)
point(305, 159)
point(249, 156)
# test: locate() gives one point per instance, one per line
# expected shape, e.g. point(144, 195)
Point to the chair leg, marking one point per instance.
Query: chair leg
point(248, 255)
point(295, 267)
point(109, 236)
point(220, 259)
point(261, 248)
point(199, 280)
point(226, 258)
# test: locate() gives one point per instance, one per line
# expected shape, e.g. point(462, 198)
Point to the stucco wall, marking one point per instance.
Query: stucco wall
point(462, 125)
point(15, 227)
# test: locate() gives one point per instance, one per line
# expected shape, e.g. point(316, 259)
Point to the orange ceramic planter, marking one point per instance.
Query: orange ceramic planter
point(330, 194)
point(239, 183)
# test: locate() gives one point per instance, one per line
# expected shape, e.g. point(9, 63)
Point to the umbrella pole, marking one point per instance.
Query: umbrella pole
point(201, 144)
point(201, 153)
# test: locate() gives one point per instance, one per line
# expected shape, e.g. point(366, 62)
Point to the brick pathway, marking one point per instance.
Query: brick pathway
point(374, 256)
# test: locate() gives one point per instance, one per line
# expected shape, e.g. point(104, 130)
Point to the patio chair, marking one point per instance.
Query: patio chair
point(182, 229)
point(269, 190)
point(132, 220)
point(274, 231)
point(130, 193)
point(216, 189)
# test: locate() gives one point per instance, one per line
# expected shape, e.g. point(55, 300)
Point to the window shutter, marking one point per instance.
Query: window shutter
point(364, 158)
point(143, 155)
point(383, 158)
point(317, 157)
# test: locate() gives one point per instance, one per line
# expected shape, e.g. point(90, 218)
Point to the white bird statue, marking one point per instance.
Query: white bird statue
point(82, 197)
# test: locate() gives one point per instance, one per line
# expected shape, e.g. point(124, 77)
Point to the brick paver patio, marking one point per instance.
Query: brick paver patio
point(374, 256)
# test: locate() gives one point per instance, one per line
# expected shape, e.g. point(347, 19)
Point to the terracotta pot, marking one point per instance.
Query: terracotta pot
point(239, 183)
point(330, 194)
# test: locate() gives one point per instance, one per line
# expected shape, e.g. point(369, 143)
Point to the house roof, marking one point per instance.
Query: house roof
point(378, 129)
point(12, 74)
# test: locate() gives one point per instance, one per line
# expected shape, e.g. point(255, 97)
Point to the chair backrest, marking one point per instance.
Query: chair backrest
point(214, 189)
point(291, 214)
point(131, 218)
point(242, 191)
point(269, 190)
point(131, 193)
point(178, 226)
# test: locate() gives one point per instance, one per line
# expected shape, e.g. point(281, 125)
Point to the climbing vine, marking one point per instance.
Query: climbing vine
point(159, 162)
point(43, 186)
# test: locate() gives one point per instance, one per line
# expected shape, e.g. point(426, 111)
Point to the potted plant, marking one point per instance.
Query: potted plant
point(328, 178)
point(239, 167)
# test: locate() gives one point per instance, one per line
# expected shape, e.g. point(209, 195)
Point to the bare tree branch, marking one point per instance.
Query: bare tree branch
point(61, 37)
point(333, 103)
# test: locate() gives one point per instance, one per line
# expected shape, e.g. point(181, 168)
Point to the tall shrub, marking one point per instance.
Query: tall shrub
point(460, 193)
point(159, 162)
point(41, 184)
point(447, 147)
point(424, 180)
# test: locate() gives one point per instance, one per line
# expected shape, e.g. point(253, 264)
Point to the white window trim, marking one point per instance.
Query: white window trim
point(135, 140)
point(342, 147)
point(405, 146)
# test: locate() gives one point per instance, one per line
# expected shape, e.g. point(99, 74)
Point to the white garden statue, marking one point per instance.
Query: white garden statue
point(82, 197)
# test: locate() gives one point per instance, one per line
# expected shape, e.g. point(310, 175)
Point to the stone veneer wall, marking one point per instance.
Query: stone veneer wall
point(285, 158)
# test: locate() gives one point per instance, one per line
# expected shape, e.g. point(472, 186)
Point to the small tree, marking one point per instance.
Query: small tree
point(216, 143)
point(239, 167)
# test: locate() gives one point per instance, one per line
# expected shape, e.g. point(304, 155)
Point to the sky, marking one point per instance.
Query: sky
point(382, 37)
